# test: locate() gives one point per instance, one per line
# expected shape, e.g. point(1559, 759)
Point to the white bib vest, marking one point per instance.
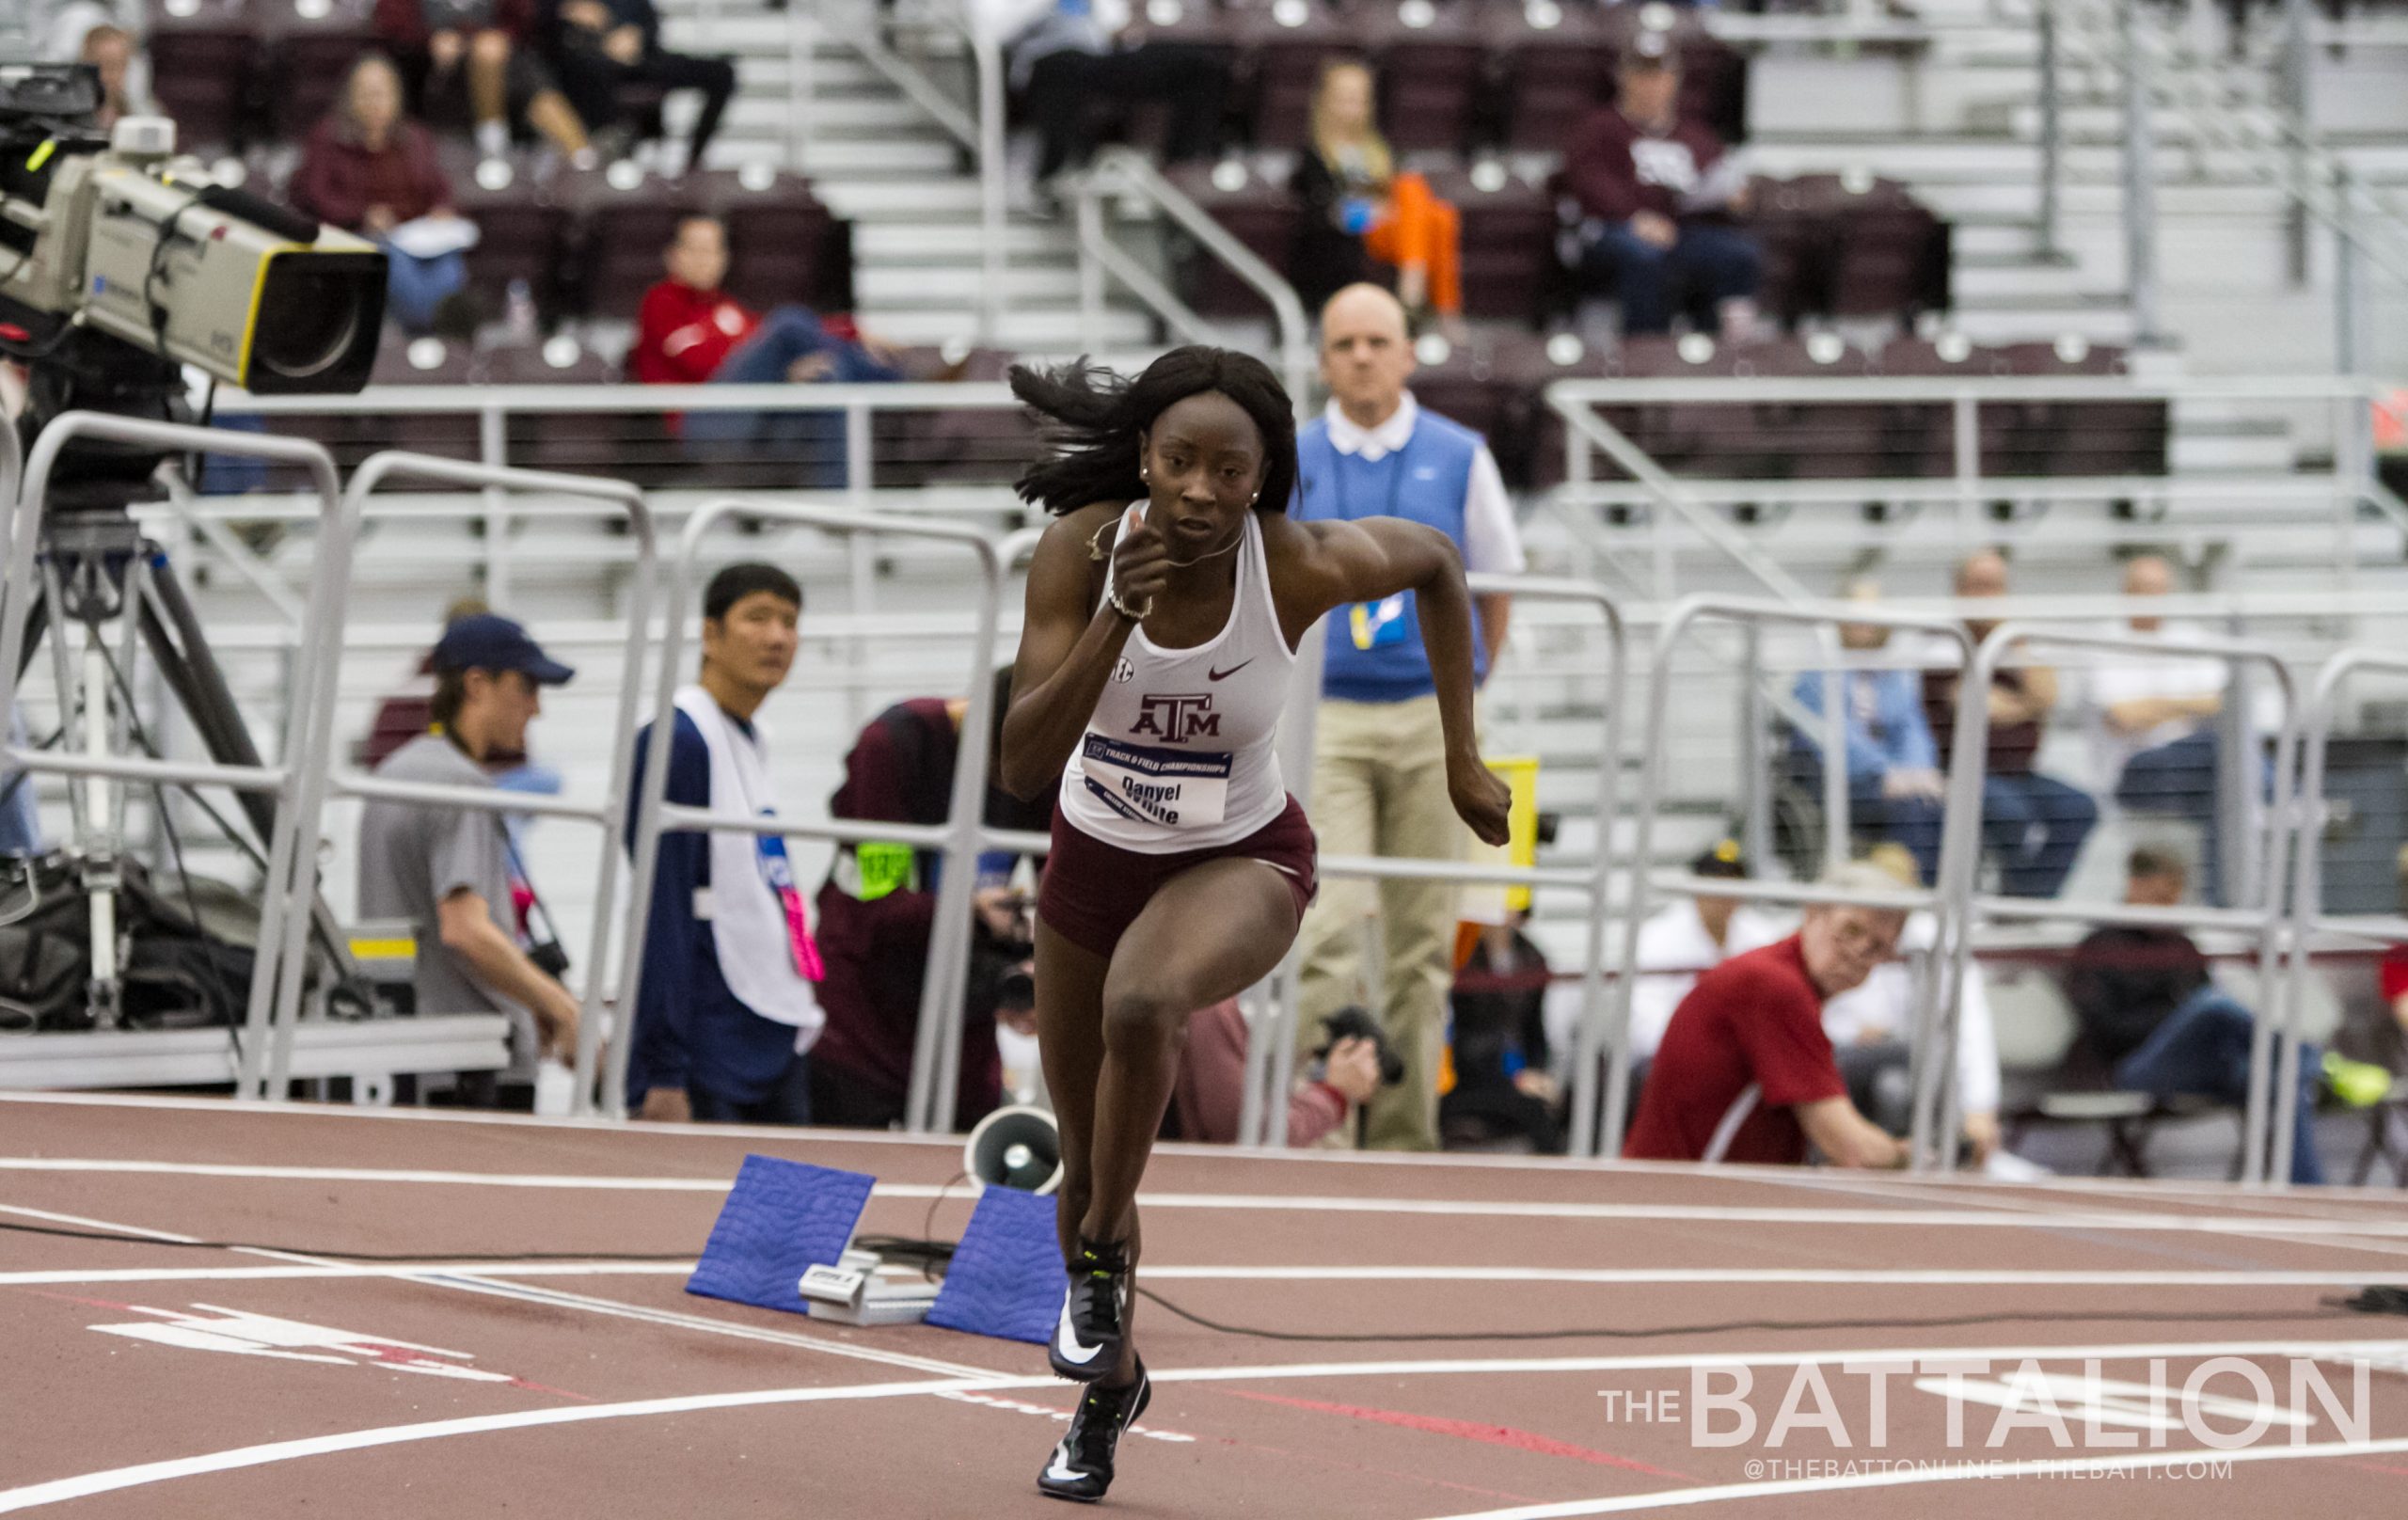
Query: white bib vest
point(748, 920)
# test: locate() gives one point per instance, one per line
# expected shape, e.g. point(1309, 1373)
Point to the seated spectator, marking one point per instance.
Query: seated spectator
point(1745, 1072)
point(1873, 1028)
point(1656, 194)
point(689, 331)
point(877, 910)
point(1206, 1101)
point(2150, 1009)
point(599, 46)
point(1682, 941)
point(369, 169)
point(447, 870)
point(1066, 54)
point(1498, 1047)
point(2157, 720)
point(2032, 825)
point(472, 63)
point(1894, 785)
point(110, 50)
point(1356, 204)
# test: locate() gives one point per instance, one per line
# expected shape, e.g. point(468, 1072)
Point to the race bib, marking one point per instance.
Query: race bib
point(1165, 788)
point(1377, 624)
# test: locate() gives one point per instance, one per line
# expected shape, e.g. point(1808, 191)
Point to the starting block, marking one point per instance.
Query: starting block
point(1006, 1279)
point(782, 1241)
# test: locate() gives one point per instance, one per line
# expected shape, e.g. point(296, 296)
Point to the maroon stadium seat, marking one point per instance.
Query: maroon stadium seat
point(1431, 63)
point(1508, 240)
point(1258, 212)
point(202, 68)
point(308, 57)
point(620, 225)
point(1287, 43)
point(522, 230)
point(783, 245)
point(453, 435)
point(579, 443)
point(1556, 61)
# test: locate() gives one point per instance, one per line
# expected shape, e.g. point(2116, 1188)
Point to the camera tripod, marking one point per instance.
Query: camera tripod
point(93, 567)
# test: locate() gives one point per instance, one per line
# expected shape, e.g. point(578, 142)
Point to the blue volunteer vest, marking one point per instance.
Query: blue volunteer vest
point(1375, 653)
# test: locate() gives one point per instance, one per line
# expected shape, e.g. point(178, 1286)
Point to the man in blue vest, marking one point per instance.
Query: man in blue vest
point(1380, 764)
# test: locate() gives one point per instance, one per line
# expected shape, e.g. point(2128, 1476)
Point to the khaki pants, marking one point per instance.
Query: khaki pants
point(1380, 788)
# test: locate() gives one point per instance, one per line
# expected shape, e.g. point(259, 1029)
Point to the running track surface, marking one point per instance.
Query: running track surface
point(148, 1378)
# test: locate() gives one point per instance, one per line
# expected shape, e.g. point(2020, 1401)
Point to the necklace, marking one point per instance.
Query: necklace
point(1181, 565)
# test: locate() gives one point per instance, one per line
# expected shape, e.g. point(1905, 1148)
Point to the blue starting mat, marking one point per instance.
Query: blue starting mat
point(1007, 1279)
point(781, 1218)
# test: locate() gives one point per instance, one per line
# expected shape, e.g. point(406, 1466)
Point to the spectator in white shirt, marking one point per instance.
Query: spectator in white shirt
point(2156, 722)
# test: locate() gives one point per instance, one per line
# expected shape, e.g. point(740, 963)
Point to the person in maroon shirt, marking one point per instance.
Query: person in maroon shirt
point(368, 168)
point(2035, 825)
point(877, 909)
point(689, 332)
point(474, 61)
point(1744, 1061)
point(1654, 193)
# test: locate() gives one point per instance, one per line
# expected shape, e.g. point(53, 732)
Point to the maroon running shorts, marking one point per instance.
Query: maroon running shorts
point(1092, 891)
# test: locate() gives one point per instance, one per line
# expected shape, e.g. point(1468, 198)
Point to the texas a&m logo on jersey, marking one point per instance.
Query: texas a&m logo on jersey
point(1175, 719)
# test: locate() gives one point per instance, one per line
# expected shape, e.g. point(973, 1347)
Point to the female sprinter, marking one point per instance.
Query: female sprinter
point(1164, 607)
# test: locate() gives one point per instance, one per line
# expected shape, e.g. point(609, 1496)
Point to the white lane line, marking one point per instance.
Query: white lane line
point(1709, 1213)
point(1904, 1475)
point(1622, 1276)
point(469, 1282)
point(598, 1268)
point(84, 1485)
point(137, 1231)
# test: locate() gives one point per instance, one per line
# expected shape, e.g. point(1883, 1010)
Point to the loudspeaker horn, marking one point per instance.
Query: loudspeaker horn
point(1017, 1147)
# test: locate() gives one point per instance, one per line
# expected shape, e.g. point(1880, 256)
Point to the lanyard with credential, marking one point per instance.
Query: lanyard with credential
point(1371, 623)
point(778, 872)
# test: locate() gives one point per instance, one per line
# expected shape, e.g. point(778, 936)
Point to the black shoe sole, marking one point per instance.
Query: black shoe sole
point(1145, 1397)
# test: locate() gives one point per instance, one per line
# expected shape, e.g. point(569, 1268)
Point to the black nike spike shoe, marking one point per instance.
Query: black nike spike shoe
point(1095, 1313)
point(1079, 1468)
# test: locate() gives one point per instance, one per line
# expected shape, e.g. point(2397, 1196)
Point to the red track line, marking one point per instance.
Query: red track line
point(1423, 1478)
point(1505, 1435)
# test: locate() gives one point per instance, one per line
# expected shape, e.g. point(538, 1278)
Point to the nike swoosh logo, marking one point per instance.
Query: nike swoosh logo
point(1065, 1344)
point(1223, 675)
point(1059, 1470)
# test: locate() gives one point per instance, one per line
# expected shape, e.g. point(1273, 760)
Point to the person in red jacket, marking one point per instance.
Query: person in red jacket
point(689, 331)
point(475, 61)
point(368, 168)
point(1649, 186)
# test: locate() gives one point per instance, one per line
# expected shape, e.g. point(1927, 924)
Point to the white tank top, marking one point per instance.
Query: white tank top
point(1179, 754)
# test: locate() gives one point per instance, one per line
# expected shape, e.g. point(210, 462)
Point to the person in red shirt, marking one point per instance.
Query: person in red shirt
point(1745, 1072)
point(368, 168)
point(1649, 184)
point(691, 332)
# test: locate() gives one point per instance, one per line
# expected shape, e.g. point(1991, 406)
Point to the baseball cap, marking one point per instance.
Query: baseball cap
point(1722, 858)
point(489, 642)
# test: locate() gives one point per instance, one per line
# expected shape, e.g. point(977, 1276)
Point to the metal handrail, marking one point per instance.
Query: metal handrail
point(319, 644)
point(1934, 1088)
point(1125, 171)
point(2308, 915)
point(608, 813)
point(1823, 617)
point(935, 1053)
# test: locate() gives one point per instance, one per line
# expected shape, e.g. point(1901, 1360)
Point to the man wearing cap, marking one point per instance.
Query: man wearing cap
point(1379, 765)
point(447, 870)
point(1682, 941)
point(728, 1004)
point(1745, 1072)
point(1655, 193)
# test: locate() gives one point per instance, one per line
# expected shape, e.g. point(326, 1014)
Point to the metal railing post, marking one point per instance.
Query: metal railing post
point(2051, 134)
point(2295, 106)
point(2345, 275)
point(993, 167)
point(2140, 181)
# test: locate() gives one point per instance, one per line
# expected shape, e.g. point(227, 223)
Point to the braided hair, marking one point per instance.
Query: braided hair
point(1095, 421)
